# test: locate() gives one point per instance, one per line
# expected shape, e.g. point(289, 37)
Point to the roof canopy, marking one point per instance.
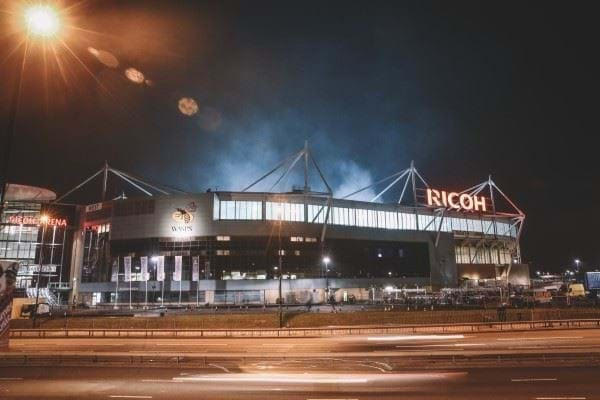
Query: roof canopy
point(15, 192)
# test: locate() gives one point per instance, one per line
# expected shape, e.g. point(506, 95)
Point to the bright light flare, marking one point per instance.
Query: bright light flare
point(187, 106)
point(134, 75)
point(42, 20)
point(416, 337)
point(105, 57)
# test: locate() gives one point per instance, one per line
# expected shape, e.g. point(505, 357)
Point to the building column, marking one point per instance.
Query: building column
point(76, 264)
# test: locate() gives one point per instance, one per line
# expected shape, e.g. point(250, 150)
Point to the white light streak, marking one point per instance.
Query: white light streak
point(415, 337)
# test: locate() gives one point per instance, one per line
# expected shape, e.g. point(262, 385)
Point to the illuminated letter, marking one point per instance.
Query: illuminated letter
point(433, 197)
point(466, 201)
point(451, 197)
point(479, 201)
point(444, 198)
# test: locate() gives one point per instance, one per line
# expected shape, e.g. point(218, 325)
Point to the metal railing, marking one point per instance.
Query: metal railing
point(305, 332)
point(564, 359)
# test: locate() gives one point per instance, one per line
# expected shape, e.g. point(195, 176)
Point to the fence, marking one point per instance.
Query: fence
point(304, 332)
point(232, 361)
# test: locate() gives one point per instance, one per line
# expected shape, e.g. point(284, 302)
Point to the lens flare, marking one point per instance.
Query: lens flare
point(105, 57)
point(188, 106)
point(210, 119)
point(134, 75)
point(42, 20)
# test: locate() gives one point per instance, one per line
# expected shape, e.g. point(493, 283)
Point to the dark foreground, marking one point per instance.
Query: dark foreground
point(290, 382)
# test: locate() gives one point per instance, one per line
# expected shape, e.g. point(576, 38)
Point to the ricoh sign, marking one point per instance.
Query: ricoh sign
point(456, 201)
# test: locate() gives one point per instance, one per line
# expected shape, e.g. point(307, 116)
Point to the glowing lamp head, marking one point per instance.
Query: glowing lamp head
point(42, 20)
point(326, 260)
point(44, 219)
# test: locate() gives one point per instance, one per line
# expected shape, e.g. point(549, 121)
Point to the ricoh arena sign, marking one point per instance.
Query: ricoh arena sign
point(31, 220)
point(457, 201)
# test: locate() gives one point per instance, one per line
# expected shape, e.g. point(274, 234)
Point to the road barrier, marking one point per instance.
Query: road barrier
point(219, 362)
point(305, 332)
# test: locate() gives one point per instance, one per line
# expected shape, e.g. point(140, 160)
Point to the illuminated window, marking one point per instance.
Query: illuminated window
point(296, 252)
point(285, 211)
point(281, 252)
point(223, 238)
point(240, 210)
point(316, 214)
point(222, 252)
point(296, 239)
point(311, 240)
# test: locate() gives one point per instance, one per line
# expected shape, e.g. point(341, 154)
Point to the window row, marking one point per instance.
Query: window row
point(284, 211)
point(252, 210)
point(240, 210)
point(482, 255)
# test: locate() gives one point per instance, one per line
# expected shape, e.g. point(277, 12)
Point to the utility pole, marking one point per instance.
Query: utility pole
point(280, 272)
point(39, 273)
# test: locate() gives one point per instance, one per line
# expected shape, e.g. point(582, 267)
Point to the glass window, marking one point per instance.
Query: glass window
point(216, 206)
point(381, 219)
point(285, 211)
point(316, 213)
point(371, 218)
point(391, 221)
point(351, 217)
point(240, 210)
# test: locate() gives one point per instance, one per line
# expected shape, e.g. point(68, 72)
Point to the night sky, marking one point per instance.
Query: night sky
point(465, 89)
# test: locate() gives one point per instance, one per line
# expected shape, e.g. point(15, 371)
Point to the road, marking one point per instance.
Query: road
point(547, 341)
point(281, 383)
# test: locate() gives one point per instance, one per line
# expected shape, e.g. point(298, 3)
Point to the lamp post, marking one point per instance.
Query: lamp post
point(42, 21)
point(279, 299)
point(279, 268)
point(75, 290)
point(116, 306)
point(326, 261)
point(43, 222)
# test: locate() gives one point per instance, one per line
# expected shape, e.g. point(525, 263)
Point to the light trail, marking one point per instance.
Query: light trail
point(415, 337)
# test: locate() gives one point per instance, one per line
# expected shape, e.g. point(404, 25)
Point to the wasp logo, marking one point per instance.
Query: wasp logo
point(184, 214)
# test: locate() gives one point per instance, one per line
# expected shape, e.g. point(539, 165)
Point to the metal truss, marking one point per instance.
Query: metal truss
point(286, 166)
point(143, 186)
point(409, 175)
point(515, 214)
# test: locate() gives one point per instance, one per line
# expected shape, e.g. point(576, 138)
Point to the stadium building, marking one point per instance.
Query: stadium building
point(37, 234)
point(300, 245)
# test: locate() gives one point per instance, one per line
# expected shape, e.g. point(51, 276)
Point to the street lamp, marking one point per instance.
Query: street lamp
point(326, 261)
point(577, 262)
point(42, 20)
point(44, 222)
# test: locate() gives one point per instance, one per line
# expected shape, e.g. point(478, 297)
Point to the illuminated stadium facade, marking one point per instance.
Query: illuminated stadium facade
point(248, 247)
point(232, 247)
